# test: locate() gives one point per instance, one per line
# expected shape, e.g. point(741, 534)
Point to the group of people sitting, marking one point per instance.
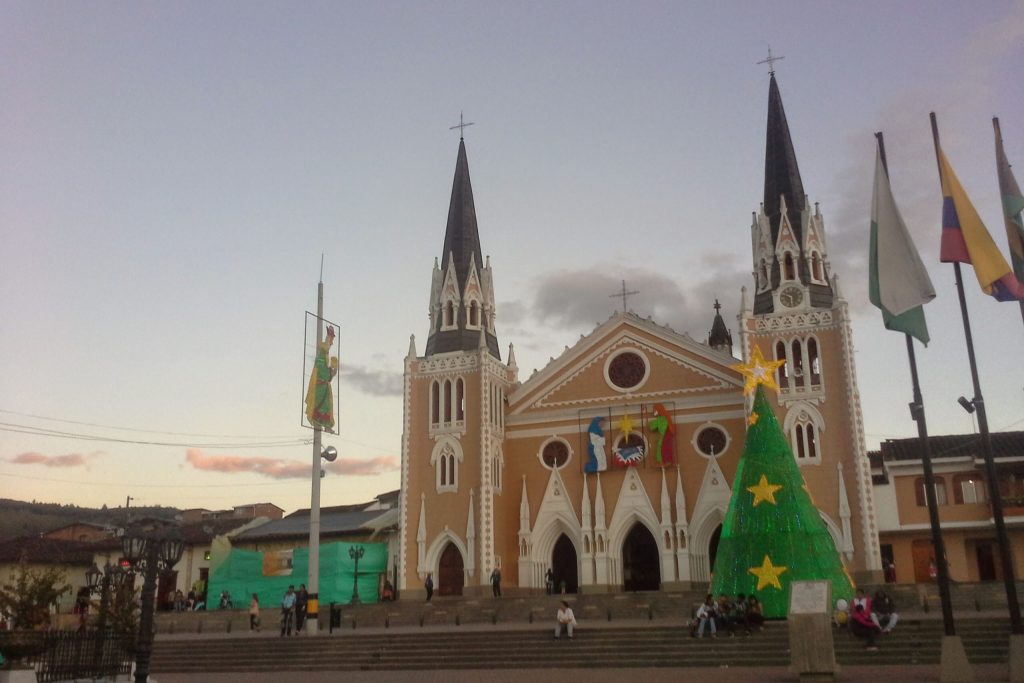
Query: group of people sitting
point(727, 615)
point(868, 617)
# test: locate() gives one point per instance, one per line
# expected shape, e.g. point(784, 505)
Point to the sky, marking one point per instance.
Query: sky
point(171, 174)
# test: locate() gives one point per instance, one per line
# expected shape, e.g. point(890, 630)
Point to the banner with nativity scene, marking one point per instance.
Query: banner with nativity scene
point(631, 435)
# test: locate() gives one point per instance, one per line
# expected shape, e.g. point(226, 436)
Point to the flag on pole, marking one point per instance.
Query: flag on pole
point(1013, 204)
point(965, 239)
point(899, 284)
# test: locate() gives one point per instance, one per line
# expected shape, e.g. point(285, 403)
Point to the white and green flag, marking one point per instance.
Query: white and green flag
point(899, 284)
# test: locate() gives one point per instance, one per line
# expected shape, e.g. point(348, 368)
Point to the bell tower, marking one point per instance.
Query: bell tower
point(453, 418)
point(797, 314)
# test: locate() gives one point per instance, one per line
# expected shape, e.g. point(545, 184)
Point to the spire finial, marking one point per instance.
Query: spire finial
point(463, 125)
point(770, 61)
point(623, 295)
point(718, 306)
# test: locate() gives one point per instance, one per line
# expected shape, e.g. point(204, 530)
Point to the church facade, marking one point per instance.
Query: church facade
point(611, 468)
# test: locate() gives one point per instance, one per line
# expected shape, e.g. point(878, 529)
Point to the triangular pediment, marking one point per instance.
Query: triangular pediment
point(674, 367)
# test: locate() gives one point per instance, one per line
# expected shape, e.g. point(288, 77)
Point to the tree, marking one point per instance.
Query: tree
point(28, 594)
point(772, 534)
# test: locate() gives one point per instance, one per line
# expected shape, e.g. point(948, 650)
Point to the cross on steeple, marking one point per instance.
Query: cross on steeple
point(623, 294)
point(461, 125)
point(770, 61)
point(718, 306)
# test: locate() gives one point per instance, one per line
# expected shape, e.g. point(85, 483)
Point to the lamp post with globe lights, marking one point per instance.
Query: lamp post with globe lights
point(356, 552)
point(149, 553)
point(102, 581)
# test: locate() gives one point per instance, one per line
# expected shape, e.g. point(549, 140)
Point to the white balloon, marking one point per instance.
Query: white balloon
point(841, 605)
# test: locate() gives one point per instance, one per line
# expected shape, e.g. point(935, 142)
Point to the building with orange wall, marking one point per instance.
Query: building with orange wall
point(611, 467)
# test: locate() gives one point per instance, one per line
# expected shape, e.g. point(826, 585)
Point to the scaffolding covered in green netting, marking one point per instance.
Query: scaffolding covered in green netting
point(244, 572)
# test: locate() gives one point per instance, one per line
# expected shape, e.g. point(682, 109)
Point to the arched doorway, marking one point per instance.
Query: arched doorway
point(716, 536)
point(564, 565)
point(450, 574)
point(641, 568)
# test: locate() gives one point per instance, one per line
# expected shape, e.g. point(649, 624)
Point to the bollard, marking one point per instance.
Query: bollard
point(650, 614)
point(170, 628)
point(457, 622)
point(421, 621)
point(387, 621)
point(531, 616)
point(353, 623)
point(609, 614)
point(494, 618)
point(199, 626)
point(229, 625)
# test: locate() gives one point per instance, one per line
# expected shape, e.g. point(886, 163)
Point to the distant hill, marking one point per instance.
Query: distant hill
point(20, 518)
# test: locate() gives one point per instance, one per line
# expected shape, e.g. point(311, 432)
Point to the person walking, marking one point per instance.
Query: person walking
point(429, 586)
point(301, 604)
point(565, 620)
point(288, 611)
point(496, 582)
point(254, 613)
point(549, 581)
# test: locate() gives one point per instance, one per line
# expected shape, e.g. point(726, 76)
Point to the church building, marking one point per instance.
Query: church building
point(611, 468)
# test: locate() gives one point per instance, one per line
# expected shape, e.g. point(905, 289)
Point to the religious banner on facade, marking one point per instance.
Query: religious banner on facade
point(629, 446)
point(661, 430)
point(319, 369)
point(595, 428)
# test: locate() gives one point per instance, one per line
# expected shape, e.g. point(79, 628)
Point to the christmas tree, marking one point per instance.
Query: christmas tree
point(772, 534)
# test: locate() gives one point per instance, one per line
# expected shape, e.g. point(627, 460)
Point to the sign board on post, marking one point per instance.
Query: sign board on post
point(811, 647)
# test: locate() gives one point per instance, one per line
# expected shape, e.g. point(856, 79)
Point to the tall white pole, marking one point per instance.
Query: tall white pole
point(313, 582)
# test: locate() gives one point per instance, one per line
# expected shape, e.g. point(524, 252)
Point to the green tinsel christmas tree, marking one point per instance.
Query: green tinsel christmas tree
point(772, 534)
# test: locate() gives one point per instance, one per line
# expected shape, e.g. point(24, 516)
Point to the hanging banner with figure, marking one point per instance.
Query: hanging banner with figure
point(319, 368)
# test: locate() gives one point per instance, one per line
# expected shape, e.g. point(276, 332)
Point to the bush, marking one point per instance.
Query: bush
point(28, 594)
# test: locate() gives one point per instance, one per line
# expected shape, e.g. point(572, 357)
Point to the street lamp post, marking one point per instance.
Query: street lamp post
point(356, 552)
point(149, 554)
point(101, 582)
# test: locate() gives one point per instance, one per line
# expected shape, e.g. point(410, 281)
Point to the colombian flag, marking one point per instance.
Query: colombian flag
point(966, 240)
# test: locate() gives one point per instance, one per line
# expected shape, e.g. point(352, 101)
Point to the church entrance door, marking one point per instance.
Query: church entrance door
point(450, 574)
point(564, 565)
point(716, 536)
point(641, 569)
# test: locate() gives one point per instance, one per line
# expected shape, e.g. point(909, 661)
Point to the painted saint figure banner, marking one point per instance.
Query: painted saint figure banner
point(319, 369)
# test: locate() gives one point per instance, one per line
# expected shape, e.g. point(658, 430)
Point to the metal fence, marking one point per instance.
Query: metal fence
point(68, 655)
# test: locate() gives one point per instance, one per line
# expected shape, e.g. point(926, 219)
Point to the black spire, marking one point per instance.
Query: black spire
point(720, 338)
point(781, 173)
point(461, 248)
point(461, 238)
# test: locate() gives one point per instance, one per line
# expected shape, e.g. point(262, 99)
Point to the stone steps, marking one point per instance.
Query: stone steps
point(633, 646)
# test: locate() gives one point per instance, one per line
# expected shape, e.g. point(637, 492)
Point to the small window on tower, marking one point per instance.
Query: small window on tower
point(816, 267)
point(783, 371)
point(814, 361)
point(789, 267)
point(474, 315)
point(449, 314)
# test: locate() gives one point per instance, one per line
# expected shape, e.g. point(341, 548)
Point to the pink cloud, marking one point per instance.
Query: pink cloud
point(277, 468)
point(69, 460)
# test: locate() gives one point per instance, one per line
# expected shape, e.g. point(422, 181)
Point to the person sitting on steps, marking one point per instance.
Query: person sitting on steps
point(565, 619)
point(705, 615)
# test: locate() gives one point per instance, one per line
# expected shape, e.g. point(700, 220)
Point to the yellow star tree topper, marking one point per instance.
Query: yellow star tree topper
point(763, 491)
point(758, 371)
point(767, 574)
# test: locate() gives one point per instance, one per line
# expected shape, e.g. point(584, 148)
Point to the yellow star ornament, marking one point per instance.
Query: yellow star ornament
point(767, 574)
point(752, 419)
point(764, 491)
point(626, 425)
point(758, 371)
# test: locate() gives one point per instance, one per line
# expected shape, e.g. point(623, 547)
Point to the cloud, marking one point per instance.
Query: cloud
point(68, 460)
point(579, 299)
point(374, 382)
point(276, 468)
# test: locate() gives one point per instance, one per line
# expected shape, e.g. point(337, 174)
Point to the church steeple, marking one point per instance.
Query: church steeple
point(720, 338)
point(462, 297)
point(791, 268)
point(781, 173)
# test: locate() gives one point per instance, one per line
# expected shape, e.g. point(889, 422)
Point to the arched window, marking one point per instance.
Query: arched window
point(783, 371)
point(447, 401)
point(460, 400)
point(812, 440)
point(449, 314)
point(445, 461)
point(816, 267)
point(921, 496)
point(814, 361)
point(801, 448)
point(474, 315)
point(798, 364)
point(788, 267)
point(451, 470)
point(435, 402)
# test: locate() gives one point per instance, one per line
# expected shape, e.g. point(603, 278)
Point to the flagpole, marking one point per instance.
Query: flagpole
point(986, 439)
point(999, 146)
point(917, 413)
